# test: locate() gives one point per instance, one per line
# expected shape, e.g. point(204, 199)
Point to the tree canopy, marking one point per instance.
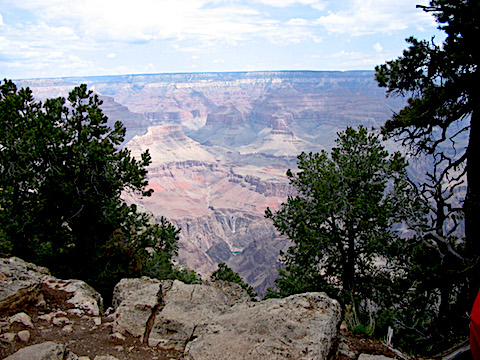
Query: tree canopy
point(341, 222)
point(62, 175)
point(441, 82)
point(226, 274)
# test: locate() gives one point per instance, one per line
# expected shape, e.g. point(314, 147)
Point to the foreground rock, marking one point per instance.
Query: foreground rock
point(23, 284)
point(167, 313)
point(44, 351)
point(42, 317)
point(298, 327)
point(217, 321)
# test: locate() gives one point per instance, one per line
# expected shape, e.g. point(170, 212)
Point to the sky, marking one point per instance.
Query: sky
point(62, 38)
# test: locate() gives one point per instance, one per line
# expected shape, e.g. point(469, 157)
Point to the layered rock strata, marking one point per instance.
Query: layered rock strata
point(210, 134)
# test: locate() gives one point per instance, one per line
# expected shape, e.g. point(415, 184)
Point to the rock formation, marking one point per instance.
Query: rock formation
point(23, 283)
point(217, 321)
point(45, 318)
point(221, 144)
point(36, 306)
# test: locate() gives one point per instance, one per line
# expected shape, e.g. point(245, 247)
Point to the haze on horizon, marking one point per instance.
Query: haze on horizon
point(61, 38)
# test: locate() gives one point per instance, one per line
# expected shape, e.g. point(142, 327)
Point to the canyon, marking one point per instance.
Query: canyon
point(221, 144)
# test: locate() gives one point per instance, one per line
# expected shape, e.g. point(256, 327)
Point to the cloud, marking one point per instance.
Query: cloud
point(352, 60)
point(213, 22)
point(377, 47)
point(140, 21)
point(366, 17)
point(145, 20)
point(42, 49)
point(113, 36)
point(316, 4)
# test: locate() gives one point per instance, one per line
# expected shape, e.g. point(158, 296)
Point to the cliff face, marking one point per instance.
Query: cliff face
point(221, 144)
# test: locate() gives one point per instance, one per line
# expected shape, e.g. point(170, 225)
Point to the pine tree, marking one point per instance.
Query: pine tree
point(62, 175)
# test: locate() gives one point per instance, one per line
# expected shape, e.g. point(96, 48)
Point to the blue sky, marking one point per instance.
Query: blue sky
point(54, 38)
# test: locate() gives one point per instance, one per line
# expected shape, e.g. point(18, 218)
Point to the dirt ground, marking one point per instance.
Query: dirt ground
point(88, 335)
point(85, 336)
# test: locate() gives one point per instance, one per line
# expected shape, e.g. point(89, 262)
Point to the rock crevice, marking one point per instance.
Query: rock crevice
point(218, 321)
point(63, 319)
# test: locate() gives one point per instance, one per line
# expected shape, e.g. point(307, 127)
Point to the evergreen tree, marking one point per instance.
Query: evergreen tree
point(341, 222)
point(441, 82)
point(62, 175)
point(226, 274)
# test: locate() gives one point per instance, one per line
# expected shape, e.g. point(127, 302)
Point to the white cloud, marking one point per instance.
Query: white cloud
point(115, 36)
point(377, 47)
point(42, 50)
point(350, 60)
point(316, 4)
point(149, 20)
point(365, 17)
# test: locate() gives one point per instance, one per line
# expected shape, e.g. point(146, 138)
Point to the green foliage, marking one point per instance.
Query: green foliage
point(441, 82)
point(62, 175)
point(226, 274)
point(342, 225)
point(186, 276)
point(341, 220)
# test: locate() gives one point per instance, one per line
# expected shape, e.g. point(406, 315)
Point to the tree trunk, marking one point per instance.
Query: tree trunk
point(472, 206)
point(348, 275)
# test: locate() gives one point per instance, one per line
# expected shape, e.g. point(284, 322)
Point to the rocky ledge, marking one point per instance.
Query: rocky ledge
point(42, 317)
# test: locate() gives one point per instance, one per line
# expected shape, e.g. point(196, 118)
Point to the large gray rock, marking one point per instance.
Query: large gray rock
point(44, 351)
point(186, 308)
point(20, 283)
point(218, 321)
point(165, 313)
point(302, 326)
point(135, 301)
point(24, 283)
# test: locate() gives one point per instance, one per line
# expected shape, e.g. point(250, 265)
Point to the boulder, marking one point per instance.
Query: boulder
point(302, 326)
point(83, 296)
point(44, 351)
point(165, 313)
point(20, 283)
point(218, 321)
point(186, 308)
point(135, 301)
point(23, 283)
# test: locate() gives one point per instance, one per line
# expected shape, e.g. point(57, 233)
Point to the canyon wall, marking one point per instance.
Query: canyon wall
point(221, 144)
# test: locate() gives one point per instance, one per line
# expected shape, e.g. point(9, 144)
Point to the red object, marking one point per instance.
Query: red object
point(475, 328)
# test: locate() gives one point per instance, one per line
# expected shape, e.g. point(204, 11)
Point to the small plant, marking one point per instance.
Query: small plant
point(355, 325)
point(226, 274)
